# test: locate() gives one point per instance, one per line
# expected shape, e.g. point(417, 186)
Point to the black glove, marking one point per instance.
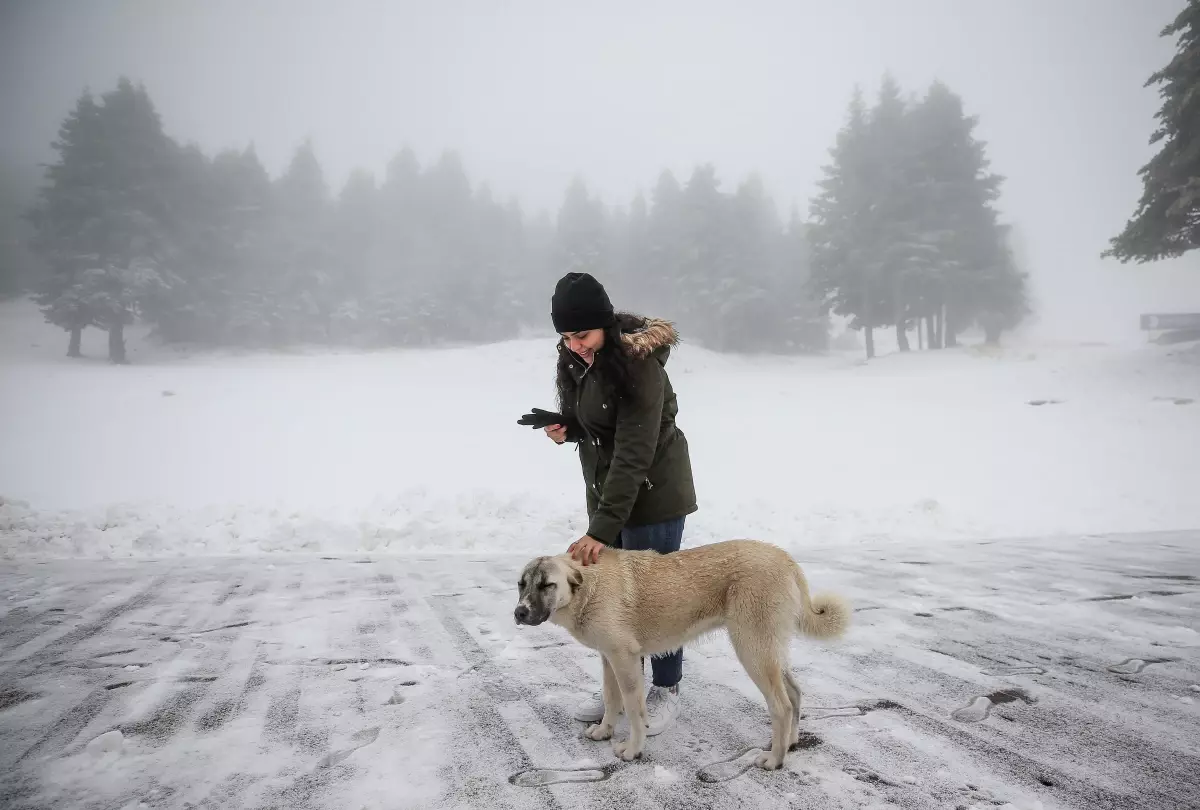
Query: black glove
point(540, 419)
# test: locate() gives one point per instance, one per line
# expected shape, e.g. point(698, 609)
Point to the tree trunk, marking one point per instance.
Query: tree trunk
point(921, 333)
point(935, 339)
point(74, 348)
point(868, 316)
point(898, 309)
point(116, 345)
point(950, 337)
point(992, 329)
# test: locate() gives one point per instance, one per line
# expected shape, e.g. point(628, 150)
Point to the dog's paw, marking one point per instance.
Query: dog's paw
point(625, 750)
point(768, 761)
point(599, 732)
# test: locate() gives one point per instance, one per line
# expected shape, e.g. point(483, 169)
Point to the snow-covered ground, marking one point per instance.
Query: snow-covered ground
point(242, 453)
point(318, 612)
point(1022, 674)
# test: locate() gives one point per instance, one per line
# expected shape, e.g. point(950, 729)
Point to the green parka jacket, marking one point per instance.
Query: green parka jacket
point(635, 460)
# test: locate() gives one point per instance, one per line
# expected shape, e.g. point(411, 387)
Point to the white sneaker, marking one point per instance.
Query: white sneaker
point(662, 707)
point(591, 709)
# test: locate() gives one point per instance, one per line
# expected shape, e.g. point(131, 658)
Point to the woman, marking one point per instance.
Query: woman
point(618, 408)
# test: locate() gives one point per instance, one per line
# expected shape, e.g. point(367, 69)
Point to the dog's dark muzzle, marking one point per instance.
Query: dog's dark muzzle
point(525, 615)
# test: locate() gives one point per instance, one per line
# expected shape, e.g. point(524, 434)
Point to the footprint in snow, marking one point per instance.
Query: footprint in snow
point(728, 769)
point(359, 740)
point(1003, 671)
point(540, 777)
point(1132, 666)
point(979, 708)
point(396, 699)
point(869, 776)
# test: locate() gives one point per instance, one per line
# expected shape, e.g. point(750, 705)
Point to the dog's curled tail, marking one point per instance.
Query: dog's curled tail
point(824, 615)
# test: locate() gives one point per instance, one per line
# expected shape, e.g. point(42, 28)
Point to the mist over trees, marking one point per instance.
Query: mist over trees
point(903, 231)
point(1166, 223)
point(19, 267)
point(131, 225)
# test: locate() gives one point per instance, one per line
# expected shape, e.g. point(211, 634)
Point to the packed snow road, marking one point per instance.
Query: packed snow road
point(1058, 673)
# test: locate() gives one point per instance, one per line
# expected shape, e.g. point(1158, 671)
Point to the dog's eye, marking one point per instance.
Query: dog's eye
point(546, 585)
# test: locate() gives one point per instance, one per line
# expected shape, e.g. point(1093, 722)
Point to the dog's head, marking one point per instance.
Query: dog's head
point(546, 585)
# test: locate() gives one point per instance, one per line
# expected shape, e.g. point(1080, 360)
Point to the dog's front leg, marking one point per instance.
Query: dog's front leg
point(628, 671)
point(613, 705)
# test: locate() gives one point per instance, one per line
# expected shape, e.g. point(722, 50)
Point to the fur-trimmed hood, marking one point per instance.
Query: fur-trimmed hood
point(643, 336)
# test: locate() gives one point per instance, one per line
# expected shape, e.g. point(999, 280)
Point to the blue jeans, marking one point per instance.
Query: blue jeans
point(664, 538)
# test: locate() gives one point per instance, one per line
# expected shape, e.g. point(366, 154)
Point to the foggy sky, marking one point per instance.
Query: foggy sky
point(531, 93)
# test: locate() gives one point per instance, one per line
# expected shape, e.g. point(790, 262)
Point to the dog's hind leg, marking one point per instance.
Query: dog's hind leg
point(796, 696)
point(613, 705)
point(759, 655)
point(627, 670)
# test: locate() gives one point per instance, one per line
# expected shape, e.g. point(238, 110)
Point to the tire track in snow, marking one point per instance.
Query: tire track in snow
point(487, 720)
point(1020, 758)
point(31, 657)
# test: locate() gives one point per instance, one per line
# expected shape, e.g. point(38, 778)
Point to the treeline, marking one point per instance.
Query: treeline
point(723, 265)
point(213, 251)
point(904, 233)
point(129, 225)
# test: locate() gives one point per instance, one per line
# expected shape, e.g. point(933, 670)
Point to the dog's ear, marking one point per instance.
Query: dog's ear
point(574, 578)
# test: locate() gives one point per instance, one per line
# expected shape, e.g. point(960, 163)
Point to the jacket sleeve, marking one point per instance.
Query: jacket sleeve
point(574, 429)
point(638, 420)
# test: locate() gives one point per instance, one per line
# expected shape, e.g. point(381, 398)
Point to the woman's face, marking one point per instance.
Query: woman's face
point(585, 344)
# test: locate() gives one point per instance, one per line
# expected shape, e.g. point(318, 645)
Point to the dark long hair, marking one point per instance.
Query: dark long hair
point(610, 364)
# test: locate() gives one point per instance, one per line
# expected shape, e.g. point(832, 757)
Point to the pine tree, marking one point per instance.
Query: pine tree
point(244, 227)
point(844, 277)
point(356, 234)
point(582, 241)
point(631, 276)
point(665, 247)
point(894, 245)
point(955, 218)
point(61, 217)
point(392, 281)
point(805, 327)
point(446, 298)
point(749, 311)
point(1166, 223)
point(303, 283)
point(511, 247)
point(1003, 294)
point(104, 220)
point(487, 302)
point(705, 264)
point(970, 275)
point(190, 302)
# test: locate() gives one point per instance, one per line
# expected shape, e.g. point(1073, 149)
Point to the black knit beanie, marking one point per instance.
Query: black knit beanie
point(580, 303)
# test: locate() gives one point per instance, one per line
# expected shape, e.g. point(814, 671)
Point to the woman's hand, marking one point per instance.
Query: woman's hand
point(558, 433)
point(586, 550)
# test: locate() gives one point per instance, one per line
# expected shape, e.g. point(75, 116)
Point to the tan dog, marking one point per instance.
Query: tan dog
point(632, 604)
